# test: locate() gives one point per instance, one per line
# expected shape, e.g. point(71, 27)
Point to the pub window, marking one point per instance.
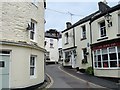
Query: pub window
point(113, 57)
point(107, 57)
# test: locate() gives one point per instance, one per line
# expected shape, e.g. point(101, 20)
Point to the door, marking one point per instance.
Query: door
point(4, 71)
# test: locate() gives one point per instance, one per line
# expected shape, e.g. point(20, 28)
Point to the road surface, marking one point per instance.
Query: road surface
point(62, 79)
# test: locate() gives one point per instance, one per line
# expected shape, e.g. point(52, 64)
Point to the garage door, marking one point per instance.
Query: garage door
point(4, 71)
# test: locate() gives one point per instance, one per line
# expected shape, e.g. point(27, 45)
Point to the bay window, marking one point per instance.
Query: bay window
point(107, 57)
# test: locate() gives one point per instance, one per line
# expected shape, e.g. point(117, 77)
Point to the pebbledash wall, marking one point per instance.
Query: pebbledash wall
point(25, 66)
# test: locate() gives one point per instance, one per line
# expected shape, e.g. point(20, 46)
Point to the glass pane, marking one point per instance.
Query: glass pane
point(113, 63)
point(113, 56)
point(98, 51)
point(119, 55)
point(31, 70)
point(119, 63)
point(2, 64)
point(105, 57)
point(104, 51)
point(118, 49)
point(105, 64)
point(95, 58)
point(99, 64)
point(99, 57)
point(95, 64)
point(112, 49)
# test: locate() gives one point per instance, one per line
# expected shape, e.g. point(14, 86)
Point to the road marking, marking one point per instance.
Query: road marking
point(81, 79)
point(51, 81)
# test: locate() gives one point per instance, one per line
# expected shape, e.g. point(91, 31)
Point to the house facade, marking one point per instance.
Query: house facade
point(51, 46)
point(22, 44)
point(105, 28)
point(68, 46)
point(97, 41)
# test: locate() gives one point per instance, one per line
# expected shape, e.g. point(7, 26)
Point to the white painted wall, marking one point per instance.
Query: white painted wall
point(54, 54)
point(15, 18)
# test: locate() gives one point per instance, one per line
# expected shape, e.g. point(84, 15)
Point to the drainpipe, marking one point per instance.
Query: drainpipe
point(73, 37)
point(91, 44)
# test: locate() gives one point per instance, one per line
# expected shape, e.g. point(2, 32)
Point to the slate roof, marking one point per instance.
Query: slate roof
point(93, 17)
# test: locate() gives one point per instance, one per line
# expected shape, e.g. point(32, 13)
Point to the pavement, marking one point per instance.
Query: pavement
point(93, 79)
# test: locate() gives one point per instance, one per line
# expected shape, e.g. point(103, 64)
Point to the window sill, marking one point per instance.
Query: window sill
point(83, 39)
point(66, 43)
point(117, 68)
point(51, 47)
point(102, 38)
point(33, 77)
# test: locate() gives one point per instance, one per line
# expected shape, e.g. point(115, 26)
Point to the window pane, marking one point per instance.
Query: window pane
point(104, 51)
point(112, 49)
point(113, 63)
point(95, 64)
point(118, 49)
point(105, 64)
point(2, 64)
point(32, 35)
point(99, 64)
point(119, 55)
point(119, 63)
point(99, 57)
point(98, 51)
point(105, 57)
point(113, 56)
point(31, 70)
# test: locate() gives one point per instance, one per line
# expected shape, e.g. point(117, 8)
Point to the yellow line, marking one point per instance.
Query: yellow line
point(51, 81)
point(81, 79)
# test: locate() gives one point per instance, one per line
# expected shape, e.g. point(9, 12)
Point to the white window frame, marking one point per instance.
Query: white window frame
point(102, 29)
point(95, 53)
point(66, 38)
point(83, 34)
point(118, 23)
point(33, 66)
point(33, 30)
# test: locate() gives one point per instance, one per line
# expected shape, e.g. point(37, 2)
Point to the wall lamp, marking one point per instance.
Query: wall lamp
point(108, 18)
point(28, 27)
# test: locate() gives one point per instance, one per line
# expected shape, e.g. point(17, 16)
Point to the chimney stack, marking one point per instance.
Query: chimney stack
point(68, 24)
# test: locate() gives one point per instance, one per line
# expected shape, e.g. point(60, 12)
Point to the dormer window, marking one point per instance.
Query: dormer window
point(102, 29)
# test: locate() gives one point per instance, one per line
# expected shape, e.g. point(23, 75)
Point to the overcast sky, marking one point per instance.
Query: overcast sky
point(58, 12)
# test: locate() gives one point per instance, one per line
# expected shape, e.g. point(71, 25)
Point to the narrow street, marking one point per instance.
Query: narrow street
point(62, 79)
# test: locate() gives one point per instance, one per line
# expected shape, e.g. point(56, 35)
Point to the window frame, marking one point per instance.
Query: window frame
point(33, 30)
point(83, 34)
point(33, 66)
point(102, 29)
point(66, 38)
point(95, 61)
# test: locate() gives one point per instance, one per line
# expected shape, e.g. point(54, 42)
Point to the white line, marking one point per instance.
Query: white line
point(81, 79)
point(51, 81)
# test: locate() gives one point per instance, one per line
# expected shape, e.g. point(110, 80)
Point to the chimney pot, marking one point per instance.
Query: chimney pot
point(68, 24)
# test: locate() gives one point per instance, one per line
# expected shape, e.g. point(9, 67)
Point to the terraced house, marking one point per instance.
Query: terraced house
point(22, 44)
point(96, 41)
